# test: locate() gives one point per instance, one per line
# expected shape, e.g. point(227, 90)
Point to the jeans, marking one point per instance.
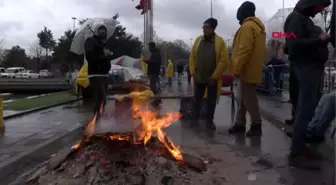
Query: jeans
point(324, 115)
point(293, 91)
point(99, 84)
point(309, 81)
point(211, 99)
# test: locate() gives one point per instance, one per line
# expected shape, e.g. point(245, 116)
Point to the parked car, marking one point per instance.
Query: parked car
point(13, 72)
point(30, 74)
point(46, 74)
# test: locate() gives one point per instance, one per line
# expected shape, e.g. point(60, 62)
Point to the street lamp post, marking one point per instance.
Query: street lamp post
point(211, 12)
point(74, 22)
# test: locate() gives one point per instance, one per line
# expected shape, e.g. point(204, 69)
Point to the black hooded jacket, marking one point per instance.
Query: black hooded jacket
point(98, 63)
point(154, 62)
point(307, 47)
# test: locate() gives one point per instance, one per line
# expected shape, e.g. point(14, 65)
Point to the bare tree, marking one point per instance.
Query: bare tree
point(2, 52)
point(37, 52)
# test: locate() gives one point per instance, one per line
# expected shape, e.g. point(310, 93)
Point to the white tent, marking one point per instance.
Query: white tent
point(127, 61)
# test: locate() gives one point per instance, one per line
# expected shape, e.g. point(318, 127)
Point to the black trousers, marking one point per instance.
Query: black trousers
point(153, 83)
point(211, 100)
point(99, 87)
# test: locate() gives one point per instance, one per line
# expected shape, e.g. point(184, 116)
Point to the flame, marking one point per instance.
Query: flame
point(152, 124)
point(76, 146)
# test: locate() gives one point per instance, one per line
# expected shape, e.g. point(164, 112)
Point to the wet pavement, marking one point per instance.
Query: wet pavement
point(24, 133)
point(236, 159)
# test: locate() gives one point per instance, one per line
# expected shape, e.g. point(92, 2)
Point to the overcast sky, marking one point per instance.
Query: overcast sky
point(20, 20)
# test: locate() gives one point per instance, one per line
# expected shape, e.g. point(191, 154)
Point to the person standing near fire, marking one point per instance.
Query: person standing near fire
point(208, 60)
point(170, 72)
point(98, 58)
point(153, 67)
point(248, 56)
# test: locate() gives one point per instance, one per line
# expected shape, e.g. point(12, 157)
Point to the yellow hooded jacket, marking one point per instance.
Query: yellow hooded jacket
point(143, 64)
point(249, 50)
point(170, 69)
point(82, 79)
point(222, 60)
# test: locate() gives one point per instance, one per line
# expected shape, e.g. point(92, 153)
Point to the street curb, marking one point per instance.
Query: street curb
point(23, 113)
point(15, 166)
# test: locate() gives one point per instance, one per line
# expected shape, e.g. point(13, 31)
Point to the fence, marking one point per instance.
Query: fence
point(275, 78)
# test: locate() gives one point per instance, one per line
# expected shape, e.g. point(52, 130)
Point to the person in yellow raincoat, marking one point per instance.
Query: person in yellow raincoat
point(170, 72)
point(208, 60)
point(248, 57)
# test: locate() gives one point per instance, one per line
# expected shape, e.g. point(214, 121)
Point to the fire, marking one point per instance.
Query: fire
point(152, 124)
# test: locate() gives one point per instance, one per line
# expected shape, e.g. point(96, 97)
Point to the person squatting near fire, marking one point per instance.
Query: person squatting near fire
point(307, 53)
point(170, 72)
point(99, 65)
point(248, 56)
point(153, 67)
point(208, 60)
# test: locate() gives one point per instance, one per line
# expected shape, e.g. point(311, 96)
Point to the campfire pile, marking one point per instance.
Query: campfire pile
point(146, 155)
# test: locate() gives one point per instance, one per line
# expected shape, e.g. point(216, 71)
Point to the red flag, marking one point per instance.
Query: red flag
point(144, 6)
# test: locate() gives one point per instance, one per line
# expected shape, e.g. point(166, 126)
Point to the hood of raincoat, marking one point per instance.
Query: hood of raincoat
point(307, 6)
point(96, 26)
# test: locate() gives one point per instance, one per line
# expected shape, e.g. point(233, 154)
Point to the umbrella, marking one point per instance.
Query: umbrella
point(86, 31)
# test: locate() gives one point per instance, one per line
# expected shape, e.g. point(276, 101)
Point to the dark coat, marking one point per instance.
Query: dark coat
point(98, 63)
point(307, 47)
point(154, 62)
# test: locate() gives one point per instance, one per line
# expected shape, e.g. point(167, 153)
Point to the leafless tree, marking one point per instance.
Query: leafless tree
point(2, 52)
point(36, 51)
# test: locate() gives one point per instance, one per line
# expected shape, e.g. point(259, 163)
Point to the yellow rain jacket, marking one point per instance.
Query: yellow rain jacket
point(170, 69)
point(222, 60)
point(249, 50)
point(143, 64)
point(82, 78)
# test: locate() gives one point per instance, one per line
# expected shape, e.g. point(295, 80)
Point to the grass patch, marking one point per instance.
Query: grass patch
point(26, 104)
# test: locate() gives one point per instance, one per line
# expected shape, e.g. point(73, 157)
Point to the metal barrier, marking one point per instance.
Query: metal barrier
point(273, 82)
point(273, 78)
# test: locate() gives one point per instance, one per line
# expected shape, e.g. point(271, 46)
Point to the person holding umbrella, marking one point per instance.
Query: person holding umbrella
point(99, 65)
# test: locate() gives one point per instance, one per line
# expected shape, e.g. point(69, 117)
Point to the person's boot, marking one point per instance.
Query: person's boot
point(237, 127)
point(301, 161)
point(211, 125)
point(255, 130)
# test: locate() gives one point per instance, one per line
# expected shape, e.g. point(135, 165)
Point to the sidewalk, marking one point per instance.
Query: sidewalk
point(277, 109)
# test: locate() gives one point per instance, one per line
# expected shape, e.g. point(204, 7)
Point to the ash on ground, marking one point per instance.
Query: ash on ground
point(103, 161)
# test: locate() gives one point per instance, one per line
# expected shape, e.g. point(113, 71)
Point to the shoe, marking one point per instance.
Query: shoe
point(255, 130)
point(302, 161)
point(237, 128)
point(310, 138)
point(314, 139)
point(211, 125)
point(289, 122)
